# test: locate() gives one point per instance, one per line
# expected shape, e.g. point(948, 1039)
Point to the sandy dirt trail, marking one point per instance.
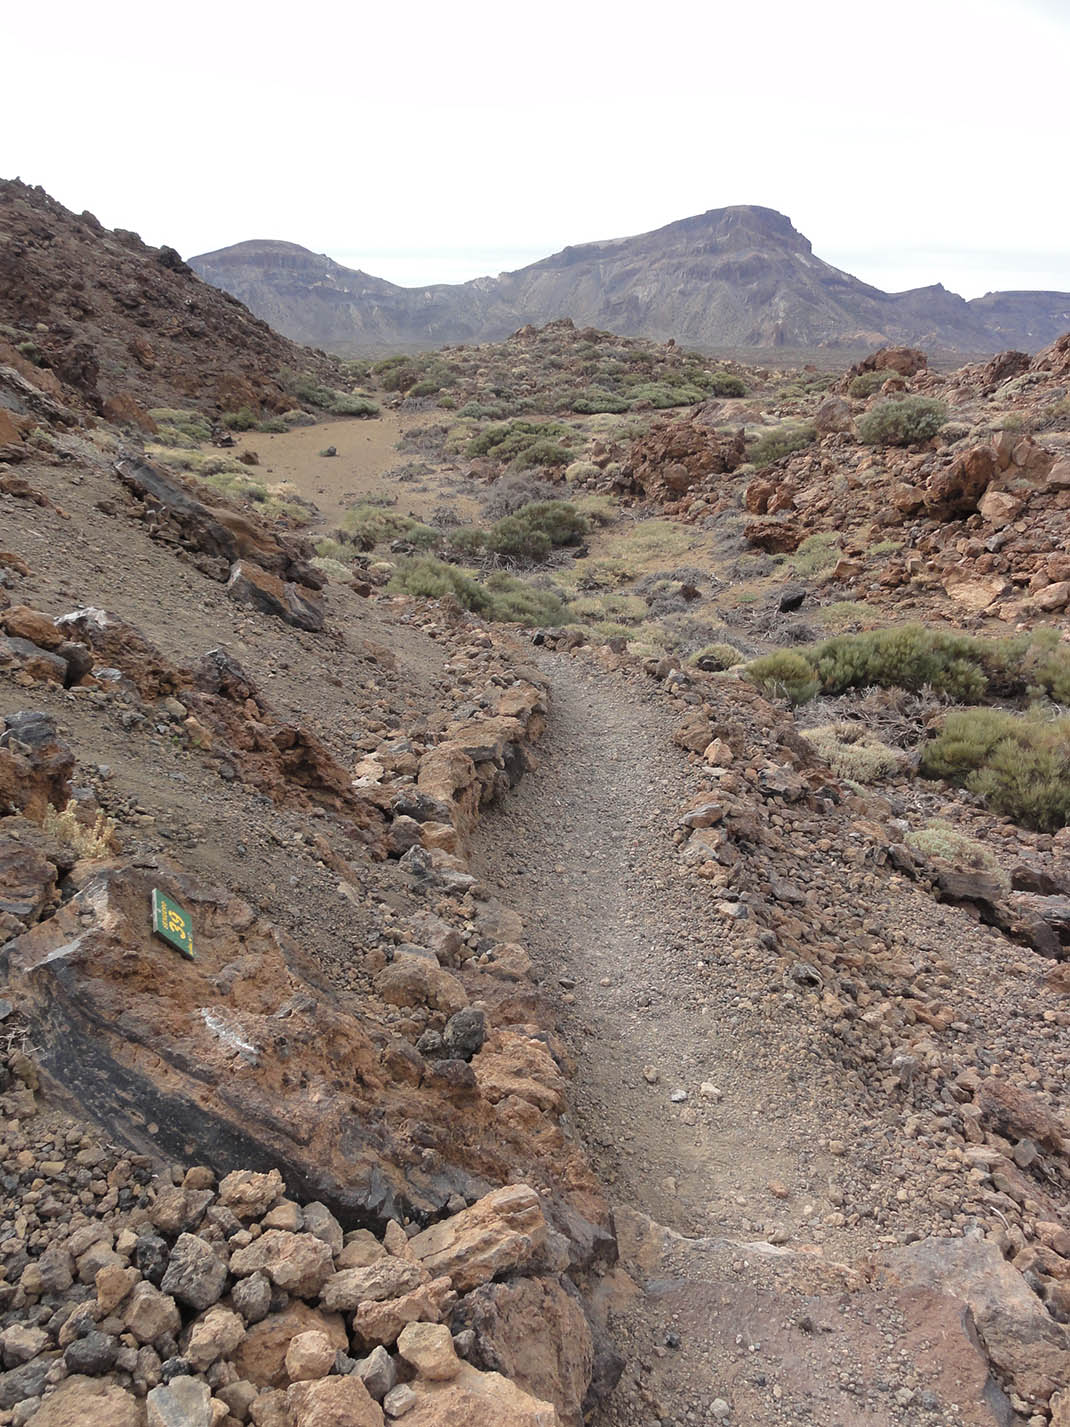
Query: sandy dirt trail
point(724, 1311)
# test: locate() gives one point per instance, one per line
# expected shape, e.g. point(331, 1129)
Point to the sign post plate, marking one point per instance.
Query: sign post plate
point(172, 923)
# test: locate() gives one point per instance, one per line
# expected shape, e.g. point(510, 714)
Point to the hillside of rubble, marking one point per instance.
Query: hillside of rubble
point(617, 799)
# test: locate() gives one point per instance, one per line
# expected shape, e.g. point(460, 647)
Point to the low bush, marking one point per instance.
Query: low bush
point(724, 384)
point(663, 395)
point(467, 543)
point(1019, 764)
point(595, 399)
point(328, 549)
point(851, 751)
point(371, 525)
point(961, 666)
point(349, 404)
point(617, 608)
point(536, 529)
point(244, 419)
point(514, 602)
point(866, 383)
point(784, 674)
point(715, 657)
point(524, 444)
point(817, 553)
point(512, 493)
point(502, 598)
point(181, 429)
point(902, 423)
point(940, 839)
point(775, 445)
point(430, 579)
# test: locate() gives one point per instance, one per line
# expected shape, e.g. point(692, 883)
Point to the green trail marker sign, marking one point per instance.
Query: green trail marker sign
point(172, 923)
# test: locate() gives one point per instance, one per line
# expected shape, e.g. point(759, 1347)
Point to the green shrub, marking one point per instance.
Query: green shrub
point(336, 550)
point(725, 384)
point(430, 579)
point(817, 553)
point(775, 445)
point(514, 539)
point(617, 608)
point(32, 352)
point(598, 510)
point(371, 525)
point(273, 425)
point(333, 569)
point(515, 602)
point(244, 419)
point(902, 423)
point(467, 543)
point(717, 657)
point(541, 453)
point(866, 383)
point(424, 537)
point(182, 429)
point(559, 520)
point(962, 666)
point(851, 751)
point(536, 529)
point(389, 364)
point(1047, 665)
point(428, 387)
point(305, 387)
point(400, 378)
point(784, 674)
point(347, 404)
point(502, 598)
point(940, 839)
point(314, 393)
point(1019, 764)
point(909, 656)
point(524, 444)
point(595, 399)
point(662, 395)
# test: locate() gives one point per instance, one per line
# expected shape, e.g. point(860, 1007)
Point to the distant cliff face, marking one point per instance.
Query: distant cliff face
point(737, 277)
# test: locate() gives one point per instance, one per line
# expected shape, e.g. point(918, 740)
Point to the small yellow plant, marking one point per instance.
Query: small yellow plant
point(95, 841)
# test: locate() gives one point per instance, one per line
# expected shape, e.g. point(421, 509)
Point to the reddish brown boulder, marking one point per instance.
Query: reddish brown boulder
point(955, 490)
point(674, 456)
point(906, 361)
point(124, 410)
point(776, 537)
point(25, 623)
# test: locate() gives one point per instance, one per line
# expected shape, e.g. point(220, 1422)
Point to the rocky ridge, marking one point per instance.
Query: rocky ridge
point(732, 278)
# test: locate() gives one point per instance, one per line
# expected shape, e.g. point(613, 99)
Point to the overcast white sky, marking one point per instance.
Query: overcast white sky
point(917, 142)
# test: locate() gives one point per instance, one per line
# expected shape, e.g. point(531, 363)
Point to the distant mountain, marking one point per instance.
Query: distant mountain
point(734, 278)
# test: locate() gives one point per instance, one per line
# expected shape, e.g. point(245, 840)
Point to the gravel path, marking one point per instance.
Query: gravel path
point(694, 1113)
point(584, 851)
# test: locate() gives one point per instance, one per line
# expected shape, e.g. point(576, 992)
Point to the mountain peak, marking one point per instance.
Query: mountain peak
point(736, 277)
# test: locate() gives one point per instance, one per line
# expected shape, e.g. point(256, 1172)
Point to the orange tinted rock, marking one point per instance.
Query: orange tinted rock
point(500, 1232)
point(261, 1356)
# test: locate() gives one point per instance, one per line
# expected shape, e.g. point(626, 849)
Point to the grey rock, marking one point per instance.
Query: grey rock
point(22, 1382)
point(195, 1275)
point(151, 1255)
point(378, 1372)
point(465, 1032)
point(94, 1354)
point(251, 1297)
point(321, 1222)
point(183, 1402)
